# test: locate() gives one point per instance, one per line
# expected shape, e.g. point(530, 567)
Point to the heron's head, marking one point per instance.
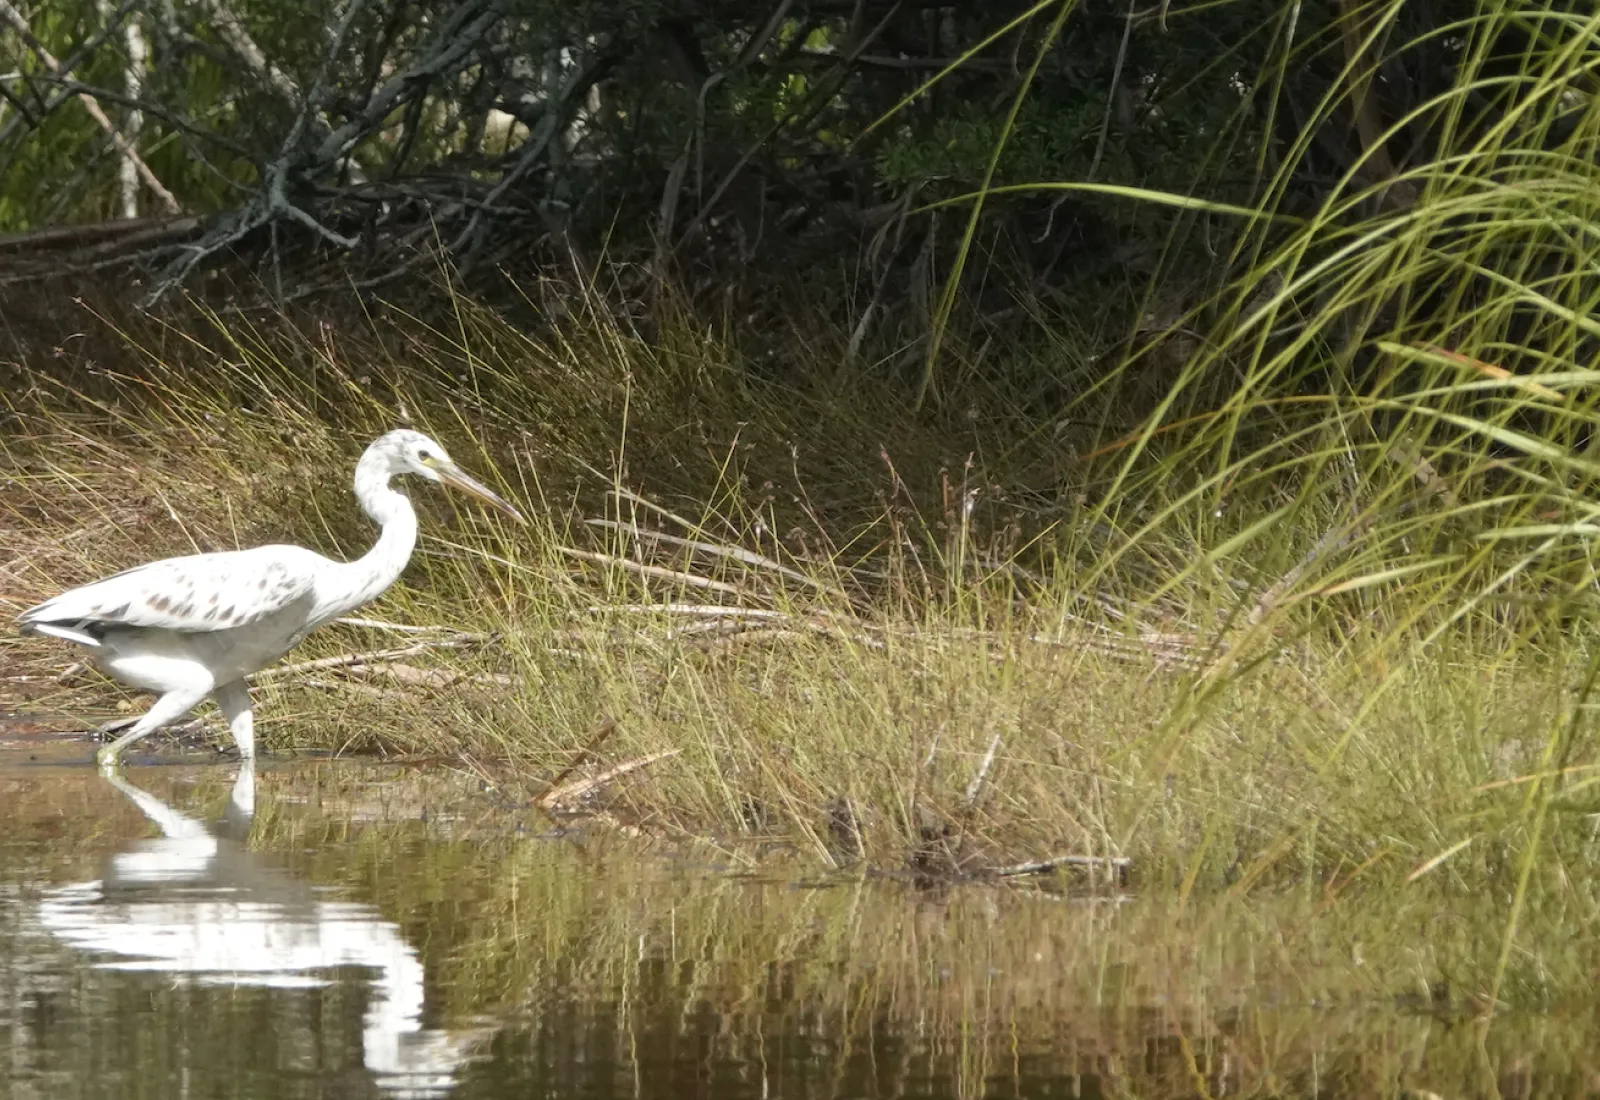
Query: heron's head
point(410, 452)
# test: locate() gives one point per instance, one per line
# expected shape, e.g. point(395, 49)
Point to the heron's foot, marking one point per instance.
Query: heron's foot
point(107, 759)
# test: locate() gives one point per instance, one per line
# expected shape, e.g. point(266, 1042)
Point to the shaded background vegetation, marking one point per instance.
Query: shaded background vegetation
point(751, 152)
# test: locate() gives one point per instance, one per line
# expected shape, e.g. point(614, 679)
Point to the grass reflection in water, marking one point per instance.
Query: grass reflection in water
point(589, 965)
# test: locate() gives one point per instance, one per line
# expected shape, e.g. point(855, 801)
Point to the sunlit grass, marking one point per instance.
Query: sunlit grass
point(804, 635)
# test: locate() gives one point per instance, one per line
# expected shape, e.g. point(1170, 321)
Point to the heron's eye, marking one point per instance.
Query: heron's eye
point(424, 456)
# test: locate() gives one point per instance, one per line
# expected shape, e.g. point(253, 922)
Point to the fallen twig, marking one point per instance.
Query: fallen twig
point(607, 728)
point(975, 788)
point(727, 622)
point(652, 570)
point(580, 787)
point(348, 660)
point(411, 675)
point(754, 634)
point(694, 610)
point(720, 550)
point(1120, 864)
point(405, 628)
point(372, 691)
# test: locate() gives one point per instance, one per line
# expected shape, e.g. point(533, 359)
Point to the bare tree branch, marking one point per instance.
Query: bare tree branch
point(133, 82)
point(233, 33)
point(14, 17)
point(69, 65)
point(578, 82)
point(455, 40)
point(449, 49)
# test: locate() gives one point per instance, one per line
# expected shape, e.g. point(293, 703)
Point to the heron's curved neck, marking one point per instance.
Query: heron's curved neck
point(365, 578)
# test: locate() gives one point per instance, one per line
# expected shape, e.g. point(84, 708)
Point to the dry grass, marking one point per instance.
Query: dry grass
point(858, 659)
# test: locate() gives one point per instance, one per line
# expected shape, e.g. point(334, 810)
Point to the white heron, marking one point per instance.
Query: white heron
point(194, 626)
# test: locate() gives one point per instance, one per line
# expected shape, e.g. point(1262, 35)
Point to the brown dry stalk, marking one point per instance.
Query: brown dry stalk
point(607, 728)
point(652, 570)
point(377, 656)
point(1040, 866)
point(715, 549)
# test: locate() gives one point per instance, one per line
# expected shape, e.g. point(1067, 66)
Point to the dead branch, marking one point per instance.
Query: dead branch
point(1119, 864)
point(232, 32)
point(49, 61)
point(655, 571)
point(430, 678)
point(981, 776)
point(69, 65)
point(580, 787)
point(607, 728)
point(347, 660)
point(449, 49)
point(404, 628)
point(714, 549)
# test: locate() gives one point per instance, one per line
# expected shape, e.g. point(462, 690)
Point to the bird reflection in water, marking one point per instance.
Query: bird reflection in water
point(200, 905)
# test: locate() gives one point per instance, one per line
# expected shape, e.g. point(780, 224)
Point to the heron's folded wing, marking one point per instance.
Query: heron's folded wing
point(200, 593)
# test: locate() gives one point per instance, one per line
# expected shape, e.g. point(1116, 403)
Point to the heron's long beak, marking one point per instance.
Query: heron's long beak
point(452, 475)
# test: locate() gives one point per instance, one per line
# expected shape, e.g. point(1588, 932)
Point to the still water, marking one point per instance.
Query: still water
point(346, 929)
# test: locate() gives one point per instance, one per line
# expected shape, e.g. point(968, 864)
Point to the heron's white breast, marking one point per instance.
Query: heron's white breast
point(164, 660)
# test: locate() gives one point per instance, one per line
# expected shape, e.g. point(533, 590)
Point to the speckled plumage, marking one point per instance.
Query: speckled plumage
point(198, 625)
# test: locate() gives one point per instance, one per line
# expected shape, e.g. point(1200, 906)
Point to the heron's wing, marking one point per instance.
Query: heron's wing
point(203, 592)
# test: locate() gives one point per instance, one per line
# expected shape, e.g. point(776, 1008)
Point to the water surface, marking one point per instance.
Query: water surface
point(347, 929)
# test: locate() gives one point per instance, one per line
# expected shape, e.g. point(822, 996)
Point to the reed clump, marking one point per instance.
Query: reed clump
point(770, 613)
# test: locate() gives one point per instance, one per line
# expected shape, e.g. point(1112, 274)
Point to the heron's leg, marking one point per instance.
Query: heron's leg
point(241, 808)
point(170, 707)
point(234, 699)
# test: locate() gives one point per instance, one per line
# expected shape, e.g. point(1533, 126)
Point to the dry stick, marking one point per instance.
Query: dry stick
point(975, 788)
point(644, 502)
point(370, 690)
point(20, 24)
point(708, 626)
point(81, 53)
point(413, 676)
point(695, 610)
point(736, 553)
point(814, 618)
point(455, 39)
point(736, 622)
point(577, 83)
point(347, 660)
point(607, 728)
point(1166, 648)
point(404, 628)
point(974, 791)
point(652, 570)
point(231, 31)
point(582, 787)
point(1040, 866)
point(752, 634)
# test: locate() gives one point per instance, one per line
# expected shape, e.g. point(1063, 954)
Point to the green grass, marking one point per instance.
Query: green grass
point(1090, 662)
